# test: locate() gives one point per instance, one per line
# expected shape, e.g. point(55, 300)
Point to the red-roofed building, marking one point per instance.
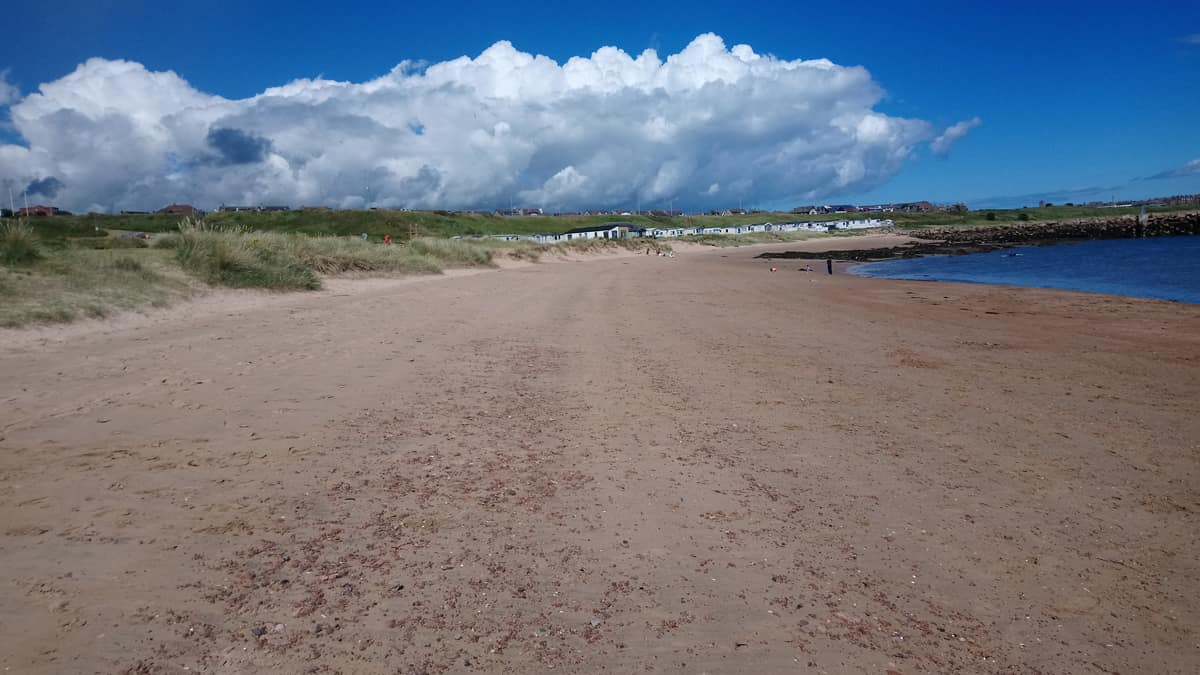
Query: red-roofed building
point(40, 210)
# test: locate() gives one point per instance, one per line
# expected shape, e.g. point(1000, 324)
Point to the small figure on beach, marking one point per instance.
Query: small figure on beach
point(387, 239)
point(829, 265)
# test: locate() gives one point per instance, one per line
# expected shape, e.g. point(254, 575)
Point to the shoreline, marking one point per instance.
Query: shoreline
point(965, 241)
point(1143, 268)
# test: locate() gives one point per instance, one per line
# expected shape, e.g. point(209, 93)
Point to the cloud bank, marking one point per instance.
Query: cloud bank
point(941, 145)
point(707, 126)
point(1192, 168)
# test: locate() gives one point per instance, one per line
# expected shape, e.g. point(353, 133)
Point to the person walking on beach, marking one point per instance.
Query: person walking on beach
point(829, 265)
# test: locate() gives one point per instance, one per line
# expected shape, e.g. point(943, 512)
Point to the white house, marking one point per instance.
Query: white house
point(624, 230)
point(605, 231)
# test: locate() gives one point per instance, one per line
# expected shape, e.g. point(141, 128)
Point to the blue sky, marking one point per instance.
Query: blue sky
point(1077, 101)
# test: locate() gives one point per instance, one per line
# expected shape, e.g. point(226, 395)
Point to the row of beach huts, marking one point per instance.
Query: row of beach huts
point(633, 231)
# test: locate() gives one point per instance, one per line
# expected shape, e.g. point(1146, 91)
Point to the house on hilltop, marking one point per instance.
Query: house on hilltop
point(41, 210)
point(253, 209)
point(178, 209)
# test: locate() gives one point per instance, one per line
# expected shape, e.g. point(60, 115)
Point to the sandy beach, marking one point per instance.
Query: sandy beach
point(636, 463)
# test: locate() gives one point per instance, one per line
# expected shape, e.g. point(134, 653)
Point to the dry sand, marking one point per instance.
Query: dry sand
point(683, 464)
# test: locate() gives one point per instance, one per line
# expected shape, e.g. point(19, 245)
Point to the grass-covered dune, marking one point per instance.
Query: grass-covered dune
point(399, 224)
point(48, 276)
point(43, 283)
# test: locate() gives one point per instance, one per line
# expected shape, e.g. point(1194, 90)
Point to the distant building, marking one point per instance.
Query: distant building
point(519, 212)
point(274, 208)
point(40, 210)
point(605, 231)
point(236, 209)
point(179, 209)
point(6, 213)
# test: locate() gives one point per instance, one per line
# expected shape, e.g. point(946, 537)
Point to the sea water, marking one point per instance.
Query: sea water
point(1167, 268)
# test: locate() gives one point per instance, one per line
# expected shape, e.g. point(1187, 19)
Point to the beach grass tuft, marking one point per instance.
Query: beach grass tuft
point(239, 258)
point(84, 283)
point(20, 244)
point(459, 252)
point(231, 257)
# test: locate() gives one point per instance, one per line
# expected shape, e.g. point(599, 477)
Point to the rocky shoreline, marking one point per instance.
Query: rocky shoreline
point(961, 241)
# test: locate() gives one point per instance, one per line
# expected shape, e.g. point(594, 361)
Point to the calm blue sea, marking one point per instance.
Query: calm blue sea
point(1167, 268)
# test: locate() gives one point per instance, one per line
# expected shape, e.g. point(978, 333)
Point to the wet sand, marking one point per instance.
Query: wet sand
point(684, 464)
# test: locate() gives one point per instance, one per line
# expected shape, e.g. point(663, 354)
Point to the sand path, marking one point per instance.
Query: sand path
point(665, 465)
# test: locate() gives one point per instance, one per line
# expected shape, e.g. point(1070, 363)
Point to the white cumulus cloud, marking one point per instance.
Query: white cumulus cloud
point(705, 126)
point(952, 134)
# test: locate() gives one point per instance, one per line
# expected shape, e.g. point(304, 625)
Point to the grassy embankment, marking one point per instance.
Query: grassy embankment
point(399, 224)
point(55, 270)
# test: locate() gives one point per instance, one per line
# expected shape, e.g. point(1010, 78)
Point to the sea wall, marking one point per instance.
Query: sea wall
point(1117, 227)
